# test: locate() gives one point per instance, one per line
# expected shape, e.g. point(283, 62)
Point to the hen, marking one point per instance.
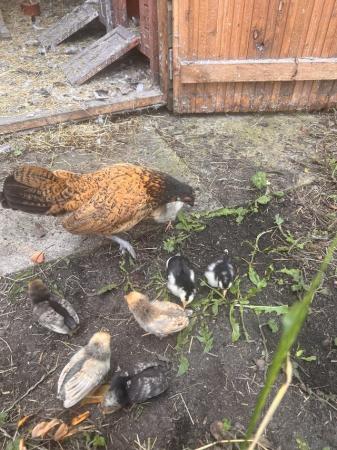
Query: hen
point(106, 202)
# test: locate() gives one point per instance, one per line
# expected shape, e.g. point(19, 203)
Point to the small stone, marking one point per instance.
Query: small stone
point(260, 364)
point(70, 50)
point(327, 342)
point(42, 51)
point(101, 94)
point(44, 92)
point(32, 42)
point(5, 148)
point(140, 87)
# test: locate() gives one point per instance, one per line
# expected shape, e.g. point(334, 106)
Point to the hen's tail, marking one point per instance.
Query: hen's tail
point(34, 190)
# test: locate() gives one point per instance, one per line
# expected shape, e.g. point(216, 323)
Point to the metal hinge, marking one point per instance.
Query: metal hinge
point(170, 63)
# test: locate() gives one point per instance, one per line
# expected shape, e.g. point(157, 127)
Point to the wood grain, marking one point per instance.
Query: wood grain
point(88, 111)
point(100, 54)
point(236, 71)
point(244, 55)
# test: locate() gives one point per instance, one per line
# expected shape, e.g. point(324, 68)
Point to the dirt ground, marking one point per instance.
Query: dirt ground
point(219, 384)
point(36, 77)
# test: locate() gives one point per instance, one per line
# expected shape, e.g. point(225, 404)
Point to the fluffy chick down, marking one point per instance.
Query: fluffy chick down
point(147, 380)
point(157, 317)
point(85, 370)
point(221, 273)
point(52, 313)
point(181, 279)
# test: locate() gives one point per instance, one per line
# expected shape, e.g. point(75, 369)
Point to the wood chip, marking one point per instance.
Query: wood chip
point(42, 428)
point(22, 421)
point(22, 445)
point(80, 418)
point(61, 432)
point(37, 258)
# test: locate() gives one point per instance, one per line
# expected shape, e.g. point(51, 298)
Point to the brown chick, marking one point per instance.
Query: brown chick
point(106, 202)
point(158, 318)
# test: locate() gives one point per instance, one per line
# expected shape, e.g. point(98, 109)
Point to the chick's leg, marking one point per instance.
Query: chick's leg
point(124, 246)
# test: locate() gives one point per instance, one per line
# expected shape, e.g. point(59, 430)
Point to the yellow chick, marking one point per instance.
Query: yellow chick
point(85, 370)
point(157, 317)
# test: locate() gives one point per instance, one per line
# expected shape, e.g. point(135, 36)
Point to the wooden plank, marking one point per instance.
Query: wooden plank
point(163, 47)
point(4, 32)
point(120, 15)
point(149, 34)
point(106, 14)
point(78, 18)
point(100, 54)
point(152, 98)
point(286, 69)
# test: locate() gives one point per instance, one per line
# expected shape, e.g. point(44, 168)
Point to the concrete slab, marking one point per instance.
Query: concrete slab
point(216, 154)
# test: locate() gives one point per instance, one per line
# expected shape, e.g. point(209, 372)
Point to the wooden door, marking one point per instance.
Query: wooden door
point(254, 55)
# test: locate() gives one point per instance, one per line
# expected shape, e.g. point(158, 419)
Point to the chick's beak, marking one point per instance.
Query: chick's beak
point(224, 292)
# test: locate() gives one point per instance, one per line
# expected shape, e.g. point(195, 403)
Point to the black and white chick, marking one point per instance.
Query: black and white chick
point(181, 279)
point(146, 381)
point(220, 274)
point(55, 314)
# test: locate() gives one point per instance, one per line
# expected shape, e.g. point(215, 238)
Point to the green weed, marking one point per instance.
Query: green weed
point(205, 337)
point(183, 366)
point(259, 180)
point(292, 324)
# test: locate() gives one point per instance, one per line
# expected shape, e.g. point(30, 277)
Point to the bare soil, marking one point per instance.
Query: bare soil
point(222, 383)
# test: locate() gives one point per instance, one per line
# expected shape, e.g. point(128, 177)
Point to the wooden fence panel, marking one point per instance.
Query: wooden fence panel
point(254, 55)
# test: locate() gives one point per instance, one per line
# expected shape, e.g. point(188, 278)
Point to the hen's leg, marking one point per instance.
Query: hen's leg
point(124, 246)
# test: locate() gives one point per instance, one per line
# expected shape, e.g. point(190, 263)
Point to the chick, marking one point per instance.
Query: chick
point(85, 370)
point(56, 315)
point(146, 381)
point(105, 202)
point(180, 279)
point(158, 318)
point(220, 274)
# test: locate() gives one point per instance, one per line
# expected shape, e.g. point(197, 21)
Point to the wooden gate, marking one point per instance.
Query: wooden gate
point(254, 55)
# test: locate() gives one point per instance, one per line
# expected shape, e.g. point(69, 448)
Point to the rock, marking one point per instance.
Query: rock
point(101, 94)
point(42, 51)
point(70, 50)
point(32, 42)
point(5, 148)
point(140, 88)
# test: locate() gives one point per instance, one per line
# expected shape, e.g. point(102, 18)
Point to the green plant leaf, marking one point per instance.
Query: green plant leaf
point(106, 288)
point(264, 199)
point(98, 441)
point(292, 324)
point(234, 324)
point(278, 194)
point(301, 444)
point(309, 358)
point(273, 325)
point(205, 337)
point(3, 417)
point(282, 309)
point(259, 180)
point(226, 424)
point(278, 220)
point(183, 366)
point(255, 278)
